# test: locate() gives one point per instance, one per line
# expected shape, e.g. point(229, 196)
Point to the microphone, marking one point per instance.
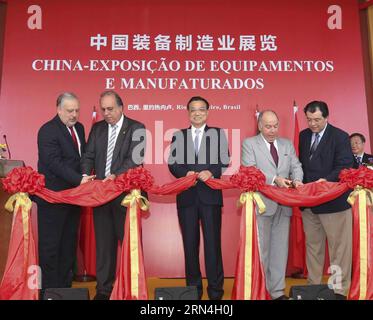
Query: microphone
point(7, 146)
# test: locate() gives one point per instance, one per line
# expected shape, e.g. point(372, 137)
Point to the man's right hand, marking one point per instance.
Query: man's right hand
point(283, 182)
point(190, 173)
point(85, 179)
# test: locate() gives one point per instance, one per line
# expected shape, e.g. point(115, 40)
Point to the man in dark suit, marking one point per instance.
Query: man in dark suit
point(324, 151)
point(203, 150)
point(360, 157)
point(115, 145)
point(61, 142)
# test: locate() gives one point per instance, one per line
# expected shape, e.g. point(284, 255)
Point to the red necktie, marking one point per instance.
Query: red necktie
point(274, 153)
point(73, 135)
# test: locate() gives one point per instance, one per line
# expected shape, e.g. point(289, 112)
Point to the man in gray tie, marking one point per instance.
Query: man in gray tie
point(276, 158)
point(115, 145)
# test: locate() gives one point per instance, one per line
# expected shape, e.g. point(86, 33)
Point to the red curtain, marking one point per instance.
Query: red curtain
point(86, 243)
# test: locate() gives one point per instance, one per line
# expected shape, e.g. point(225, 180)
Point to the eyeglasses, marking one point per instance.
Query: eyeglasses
point(202, 110)
point(316, 120)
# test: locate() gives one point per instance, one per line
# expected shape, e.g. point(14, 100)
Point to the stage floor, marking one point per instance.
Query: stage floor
point(161, 282)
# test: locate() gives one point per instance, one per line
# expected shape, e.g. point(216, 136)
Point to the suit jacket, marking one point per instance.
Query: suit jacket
point(331, 156)
point(128, 152)
point(213, 155)
point(256, 153)
point(367, 159)
point(59, 159)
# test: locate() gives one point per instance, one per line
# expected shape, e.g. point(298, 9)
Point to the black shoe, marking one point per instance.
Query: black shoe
point(339, 296)
point(283, 297)
point(298, 275)
point(101, 296)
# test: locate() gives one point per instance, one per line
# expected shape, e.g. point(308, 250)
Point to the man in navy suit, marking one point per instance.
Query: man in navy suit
point(324, 151)
point(204, 150)
point(360, 157)
point(61, 142)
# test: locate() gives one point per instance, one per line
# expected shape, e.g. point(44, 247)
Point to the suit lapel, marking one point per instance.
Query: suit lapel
point(103, 140)
point(66, 133)
point(306, 145)
point(263, 148)
point(120, 139)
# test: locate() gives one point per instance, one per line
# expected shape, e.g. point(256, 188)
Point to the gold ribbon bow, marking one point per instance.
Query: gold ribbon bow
point(131, 201)
point(248, 199)
point(22, 201)
point(365, 197)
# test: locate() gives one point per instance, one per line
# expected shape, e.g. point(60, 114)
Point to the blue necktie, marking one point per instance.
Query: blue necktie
point(196, 141)
point(314, 145)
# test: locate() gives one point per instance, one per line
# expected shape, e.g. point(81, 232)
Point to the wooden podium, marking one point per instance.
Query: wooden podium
point(5, 216)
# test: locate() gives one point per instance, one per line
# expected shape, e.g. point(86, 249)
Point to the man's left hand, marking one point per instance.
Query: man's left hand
point(204, 175)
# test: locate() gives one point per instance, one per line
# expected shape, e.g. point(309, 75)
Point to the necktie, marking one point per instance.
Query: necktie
point(274, 153)
point(196, 141)
point(73, 135)
point(110, 149)
point(314, 145)
point(358, 160)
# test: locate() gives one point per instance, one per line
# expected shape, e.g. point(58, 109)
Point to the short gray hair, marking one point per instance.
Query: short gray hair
point(118, 99)
point(263, 112)
point(63, 96)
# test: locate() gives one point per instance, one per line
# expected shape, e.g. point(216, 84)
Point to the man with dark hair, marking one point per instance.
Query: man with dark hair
point(201, 150)
point(61, 142)
point(360, 157)
point(324, 151)
point(115, 145)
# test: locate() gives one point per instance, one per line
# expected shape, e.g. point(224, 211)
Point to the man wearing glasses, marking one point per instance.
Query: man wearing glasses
point(324, 151)
point(201, 150)
point(360, 157)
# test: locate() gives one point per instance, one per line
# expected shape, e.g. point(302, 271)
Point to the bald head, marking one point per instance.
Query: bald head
point(268, 125)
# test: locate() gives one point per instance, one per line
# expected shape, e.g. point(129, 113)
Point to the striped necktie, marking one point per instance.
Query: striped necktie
point(110, 149)
point(359, 160)
point(314, 145)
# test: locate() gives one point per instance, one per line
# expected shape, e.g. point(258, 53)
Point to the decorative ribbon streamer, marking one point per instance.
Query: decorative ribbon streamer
point(364, 197)
point(133, 202)
point(131, 283)
point(22, 201)
point(17, 283)
point(248, 199)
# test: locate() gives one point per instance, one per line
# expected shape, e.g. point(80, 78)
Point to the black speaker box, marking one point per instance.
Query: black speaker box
point(66, 294)
point(176, 293)
point(312, 292)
